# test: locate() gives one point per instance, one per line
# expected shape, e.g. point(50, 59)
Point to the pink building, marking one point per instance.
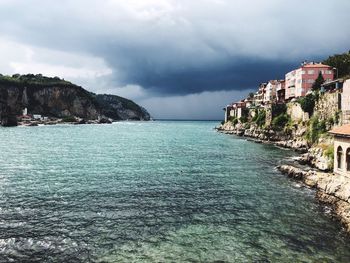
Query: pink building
point(300, 81)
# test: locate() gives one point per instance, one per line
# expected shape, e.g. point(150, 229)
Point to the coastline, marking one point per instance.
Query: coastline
point(330, 189)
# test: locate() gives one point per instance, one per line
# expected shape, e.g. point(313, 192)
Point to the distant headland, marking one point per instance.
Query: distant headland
point(35, 99)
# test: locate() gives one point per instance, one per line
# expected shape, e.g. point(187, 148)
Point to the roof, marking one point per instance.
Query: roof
point(316, 65)
point(341, 131)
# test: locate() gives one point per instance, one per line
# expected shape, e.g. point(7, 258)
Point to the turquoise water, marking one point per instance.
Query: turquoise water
point(155, 192)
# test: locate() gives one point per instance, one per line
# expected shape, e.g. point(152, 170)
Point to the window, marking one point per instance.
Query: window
point(348, 159)
point(311, 81)
point(340, 157)
point(311, 72)
point(303, 72)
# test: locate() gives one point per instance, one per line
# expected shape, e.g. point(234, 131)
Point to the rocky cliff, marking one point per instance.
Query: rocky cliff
point(55, 97)
point(119, 108)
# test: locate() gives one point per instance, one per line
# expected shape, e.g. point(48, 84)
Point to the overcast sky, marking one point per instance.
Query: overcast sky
point(179, 59)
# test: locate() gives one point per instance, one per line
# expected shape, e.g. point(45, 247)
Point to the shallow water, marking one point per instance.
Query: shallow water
point(155, 192)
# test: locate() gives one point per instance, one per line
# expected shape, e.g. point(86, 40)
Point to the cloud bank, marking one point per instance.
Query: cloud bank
point(157, 51)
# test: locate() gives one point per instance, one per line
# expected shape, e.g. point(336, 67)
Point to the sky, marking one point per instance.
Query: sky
point(179, 59)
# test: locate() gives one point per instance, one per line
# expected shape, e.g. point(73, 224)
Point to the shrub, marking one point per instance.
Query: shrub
point(246, 125)
point(278, 109)
point(69, 119)
point(255, 115)
point(307, 103)
point(318, 82)
point(316, 129)
point(234, 121)
point(280, 121)
point(337, 117)
point(260, 118)
point(243, 119)
point(330, 121)
point(329, 153)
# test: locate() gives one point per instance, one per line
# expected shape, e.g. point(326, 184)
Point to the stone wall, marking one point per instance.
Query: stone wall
point(328, 105)
point(269, 114)
point(296, 113)
point(345, 105)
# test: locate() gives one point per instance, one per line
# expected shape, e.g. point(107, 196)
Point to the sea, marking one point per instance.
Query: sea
point(160, 191)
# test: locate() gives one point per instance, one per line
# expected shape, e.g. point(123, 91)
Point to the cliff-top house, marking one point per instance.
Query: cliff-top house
point(299, 81)
point(270, 91)
point(274, 91)
point(341, 149)
point(260, 94)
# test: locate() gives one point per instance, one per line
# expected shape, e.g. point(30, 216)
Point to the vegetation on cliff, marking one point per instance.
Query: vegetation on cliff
point(33, 80)
point(341, 62)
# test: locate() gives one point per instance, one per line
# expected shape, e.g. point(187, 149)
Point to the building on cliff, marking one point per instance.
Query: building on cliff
point(281, 91)
point(341, 149)
point(227, 111)
point(236, 110)
point(274, 92)
point(299, 81)
point(260, 94)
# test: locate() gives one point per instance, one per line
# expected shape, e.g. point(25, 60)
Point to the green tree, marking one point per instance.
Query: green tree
point(307, 103)
point(318, 82)
point(341, 62)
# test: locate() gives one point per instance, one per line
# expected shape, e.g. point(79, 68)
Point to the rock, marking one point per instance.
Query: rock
point(331, 189)
point(9, 121)
point(105, 121)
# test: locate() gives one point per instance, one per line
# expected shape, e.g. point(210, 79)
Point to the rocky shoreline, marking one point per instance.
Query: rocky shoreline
point(54, 121)
point(330, 189)
point(333, 190)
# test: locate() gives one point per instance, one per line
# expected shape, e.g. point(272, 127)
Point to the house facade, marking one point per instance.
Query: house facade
point(299, 82)
point(260, 94)
point(342, 150)
point(270, 91)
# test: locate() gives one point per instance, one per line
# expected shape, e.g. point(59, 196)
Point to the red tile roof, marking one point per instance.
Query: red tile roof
point(317, 65)
point(342, 130)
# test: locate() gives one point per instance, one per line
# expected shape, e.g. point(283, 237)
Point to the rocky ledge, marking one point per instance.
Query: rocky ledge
point(260, 135)
point(330, 189)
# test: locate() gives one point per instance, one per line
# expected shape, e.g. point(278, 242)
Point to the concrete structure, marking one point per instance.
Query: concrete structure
point(236, 110)
point(299, 81)
point(36, 116)
point(281, 91)
point(227, 110)
point(274, 91)
point(259, 95)
point(296, 113)
point(345, 102)
point(270, 94)
point(342, 150)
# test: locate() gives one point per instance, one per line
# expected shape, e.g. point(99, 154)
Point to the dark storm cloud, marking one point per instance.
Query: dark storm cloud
point(183, 47)
point(234, 76)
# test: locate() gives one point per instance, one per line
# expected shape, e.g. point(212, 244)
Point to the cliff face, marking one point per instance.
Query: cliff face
point(53, 97)
point(121, 109)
